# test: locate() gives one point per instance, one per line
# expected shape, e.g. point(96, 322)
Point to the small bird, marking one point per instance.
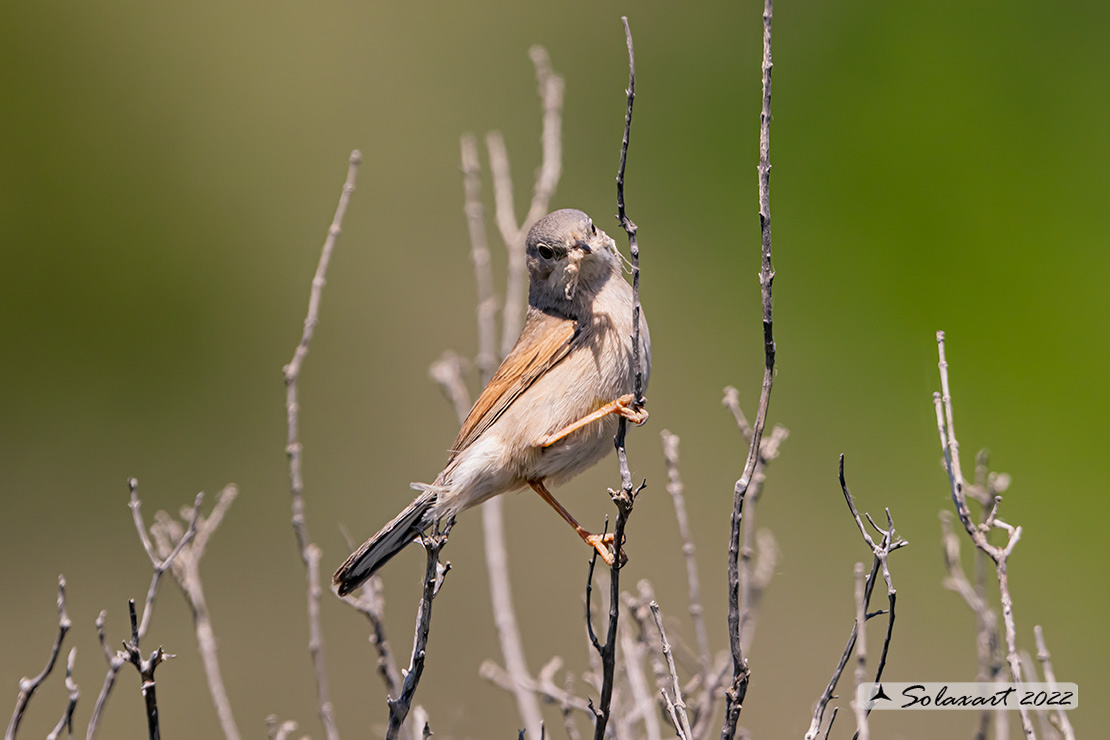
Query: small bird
point(550, 411)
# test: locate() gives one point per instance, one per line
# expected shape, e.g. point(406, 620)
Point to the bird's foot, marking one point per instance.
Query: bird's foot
point(604, 544)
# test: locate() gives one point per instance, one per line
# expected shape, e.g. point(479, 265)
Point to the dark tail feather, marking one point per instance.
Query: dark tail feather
point(390, 540)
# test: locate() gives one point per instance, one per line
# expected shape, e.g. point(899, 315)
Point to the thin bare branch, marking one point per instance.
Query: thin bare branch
point(543, 685)
point(863, 730)
point(28, 686)
point(449, 377)
point(881, 553)
point(675, 489)
point(986, 620)
point(677, 705)
point(625, 497)
point(434, 573)
point(115, 662)
point(145, 667)
point(369, 601)
point(74, 694)
point(643, 707)
point(167, 535)
point(479, 254)
point(942, 402)
point(1045, 659)
point(737, 690)
point(278, 730)
point(547, 179)
point(293, 450)
point(161, 563)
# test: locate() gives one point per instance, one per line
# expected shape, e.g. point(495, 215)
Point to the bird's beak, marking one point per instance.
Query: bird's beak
point(583, 246)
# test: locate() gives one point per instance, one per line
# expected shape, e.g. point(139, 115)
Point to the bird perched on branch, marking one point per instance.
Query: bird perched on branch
point(550, 411)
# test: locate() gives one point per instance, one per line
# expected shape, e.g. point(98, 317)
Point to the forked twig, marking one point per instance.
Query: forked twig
point(145, 667)
point(881, 552)
point(942, 403)
point(676, 706)
point(74, 694)
point(167, 535)
point(28, 686)
point(161, 562)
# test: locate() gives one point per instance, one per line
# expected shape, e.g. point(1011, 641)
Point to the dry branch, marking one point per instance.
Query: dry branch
point(447, 371)
point(74, 694)
point(185, 568)
point(28, 686)
point(942, 402)
point(161, 561)
point(625, 497)
point(310, 554)
point(146, 668)
point(434, 574)
point(881, 552)
point(738, 688)
point(369, 601)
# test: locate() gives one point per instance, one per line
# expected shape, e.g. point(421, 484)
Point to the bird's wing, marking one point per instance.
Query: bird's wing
point(545, 340)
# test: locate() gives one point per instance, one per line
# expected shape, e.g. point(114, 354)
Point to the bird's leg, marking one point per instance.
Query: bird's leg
point(623, 406)
point(599, 542)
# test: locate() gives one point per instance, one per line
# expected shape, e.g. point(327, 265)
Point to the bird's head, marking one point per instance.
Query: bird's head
point(568, 258)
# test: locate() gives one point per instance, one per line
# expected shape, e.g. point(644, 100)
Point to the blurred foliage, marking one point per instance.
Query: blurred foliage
point(167, 174)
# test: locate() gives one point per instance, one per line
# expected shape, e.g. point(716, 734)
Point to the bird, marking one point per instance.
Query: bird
point(551, 409)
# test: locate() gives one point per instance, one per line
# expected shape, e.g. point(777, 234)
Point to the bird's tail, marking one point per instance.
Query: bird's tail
point(390, 540)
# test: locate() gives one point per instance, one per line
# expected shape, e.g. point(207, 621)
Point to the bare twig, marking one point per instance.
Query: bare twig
point(309, 553)
point(497, 561)
point(827, 694)
point(161, 563)
point(163, 556)
point(74, 694)
point(755, 575)
point(278, 730)
point(28, 686)
point(625, 497)
point(185, 568)
point(737, 690)
point(710, 678)
point(942, 402)
point(479, 254)
point(881, 552)
point(675, 489)
point(115, 662)
point(832, 718)
point(448, 374)
point(543, 685)
point(1050, 676)
point(676, 706)
point(433, 580)
point(643, 708)
point(639, 608)
point(369, 601)
point(547, 178)
point(985, 617)
point(862, 727)
point(146, 667)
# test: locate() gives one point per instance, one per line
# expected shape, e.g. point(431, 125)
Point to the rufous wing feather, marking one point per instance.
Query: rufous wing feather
point(544, 341)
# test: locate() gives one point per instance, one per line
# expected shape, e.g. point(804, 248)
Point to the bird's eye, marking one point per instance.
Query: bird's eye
point(545, 251)
point(593, 229)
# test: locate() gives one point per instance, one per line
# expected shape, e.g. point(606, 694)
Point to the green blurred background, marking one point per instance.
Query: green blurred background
point(167, 175)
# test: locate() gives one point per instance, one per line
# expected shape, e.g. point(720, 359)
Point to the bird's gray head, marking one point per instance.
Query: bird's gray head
point(568, 258)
